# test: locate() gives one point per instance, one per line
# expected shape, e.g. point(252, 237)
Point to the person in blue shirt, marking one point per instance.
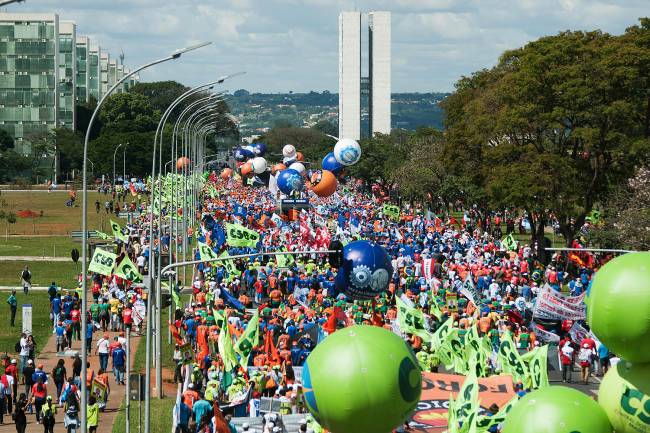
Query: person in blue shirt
point(89, 335)
point(201, 408)
point(603, 357)
point(67, 307)
point(184, 414)
point(55, 305)
point(190, 330)
point(119, 362)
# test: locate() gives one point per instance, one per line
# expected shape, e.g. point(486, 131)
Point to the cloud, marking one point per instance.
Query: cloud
point(293, 44)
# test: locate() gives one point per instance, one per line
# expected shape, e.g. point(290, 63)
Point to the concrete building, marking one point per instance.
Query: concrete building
point(379, 41)
point(350, 75)
point(94, 73)
point(104, 60)
point(352, 86)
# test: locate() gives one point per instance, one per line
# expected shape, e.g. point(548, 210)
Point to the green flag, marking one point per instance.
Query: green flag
point(206, 252)
point(510, 360)
point(229, 265)
point(226, 348)
point(509, 243)
point(452, 421)
point(537, 367)
point(486, 422)
point(176, 298)
point(127, 270)
point(102, 262)
point(117, 232)
point(392, 211)
point(411, 320)
point(467, 399)
point(101, 235)
point(239, 236)
point(248, 340)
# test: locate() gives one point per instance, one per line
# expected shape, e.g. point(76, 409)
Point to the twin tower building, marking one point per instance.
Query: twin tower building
point(352, 85)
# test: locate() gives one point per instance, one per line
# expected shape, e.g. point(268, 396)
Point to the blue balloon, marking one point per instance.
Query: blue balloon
point(290, 180)
point(259, 149)
point(240, 154)
point(365, 272)
point(331, 164)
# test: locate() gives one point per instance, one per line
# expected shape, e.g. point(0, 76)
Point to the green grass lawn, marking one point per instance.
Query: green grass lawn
point(50, 246)
point(161, 416)
point(56, 219)
point(43, 273)
point(41, 327)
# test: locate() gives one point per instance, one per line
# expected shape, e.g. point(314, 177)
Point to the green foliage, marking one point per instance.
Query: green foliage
point(381, 156)
point(6, 141)
point(128, 112)
point(312, 143)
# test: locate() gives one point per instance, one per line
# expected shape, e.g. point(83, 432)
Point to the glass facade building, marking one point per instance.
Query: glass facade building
point(67, 74)
point(29, 50)
point(45, 71)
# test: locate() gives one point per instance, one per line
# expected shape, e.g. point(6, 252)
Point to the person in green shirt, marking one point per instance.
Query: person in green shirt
point(92, 412)
point(47, 415)
point(94, 311)
point(13, 304)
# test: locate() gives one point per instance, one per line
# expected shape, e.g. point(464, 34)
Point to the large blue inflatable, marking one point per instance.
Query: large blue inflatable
point(331, 164)
point(365, 270)
point(259, 148)
point(290, 180)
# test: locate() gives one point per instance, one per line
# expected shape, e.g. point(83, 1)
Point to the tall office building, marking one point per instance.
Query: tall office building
point(94, 73)
point(67, 74)
point(29, 76)
point(352, 85)
point(104, 60)
point(350, 75)
point(83, 51)
point(379, 71)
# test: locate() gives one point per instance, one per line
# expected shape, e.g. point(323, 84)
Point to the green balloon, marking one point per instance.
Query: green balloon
point(362, 379)
point(618, 306)
point(624, 394)
point(556, 409)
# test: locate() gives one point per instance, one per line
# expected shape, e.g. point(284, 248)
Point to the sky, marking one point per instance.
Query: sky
point(292, 45)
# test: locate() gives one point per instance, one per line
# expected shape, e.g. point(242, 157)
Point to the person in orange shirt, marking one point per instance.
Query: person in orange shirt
point(276, 298)
point(484, 324)
point(190, 396)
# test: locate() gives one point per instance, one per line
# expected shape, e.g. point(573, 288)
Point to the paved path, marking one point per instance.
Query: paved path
point(48, 357)
point(35, 259)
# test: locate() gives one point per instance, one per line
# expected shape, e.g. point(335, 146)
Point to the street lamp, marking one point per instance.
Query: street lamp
point(8, 2)
point(115, 153)
point(124, 162)
point(84, 221)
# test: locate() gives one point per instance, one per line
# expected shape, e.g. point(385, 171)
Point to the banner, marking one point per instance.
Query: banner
point(537, 366)
point(579, 333)
point(99, 390)
point(226, 349)
point(544, 336)
point(229, 265)
point(431, 412)
point(117, 232)
point(206, 252)
point(128, 271)
point(469, 290)
point(391, 211)
point(248, 340)
point(102, 262)
point(240, 236)
point(510, 360)
point(509, 243)
point(553, 305)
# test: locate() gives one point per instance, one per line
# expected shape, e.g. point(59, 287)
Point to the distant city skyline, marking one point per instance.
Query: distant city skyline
point(292, 45)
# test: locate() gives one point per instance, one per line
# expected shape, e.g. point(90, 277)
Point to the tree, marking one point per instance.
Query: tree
point(381, 156)
point(6, 141)
point(128, 112)
point(553, 127)
point(312, 143)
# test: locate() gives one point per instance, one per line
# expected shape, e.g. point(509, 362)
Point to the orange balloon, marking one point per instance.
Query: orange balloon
point(278, 167)
point(300, 156)
point(182, 162)
point(246, 169)
point(324, 183)
point(226, 173)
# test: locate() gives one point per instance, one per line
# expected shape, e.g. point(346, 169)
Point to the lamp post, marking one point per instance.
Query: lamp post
point(8, 2)
point(84, 222)
point(115, 153)
point(124, 162)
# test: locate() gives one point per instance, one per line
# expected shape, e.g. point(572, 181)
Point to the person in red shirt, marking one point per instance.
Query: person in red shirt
point(127, 317)
point(75, 316)
point(39, 394)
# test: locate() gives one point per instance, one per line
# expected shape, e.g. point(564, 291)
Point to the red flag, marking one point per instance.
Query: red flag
point(175, 334)
point(220, 424)
point(337, 314)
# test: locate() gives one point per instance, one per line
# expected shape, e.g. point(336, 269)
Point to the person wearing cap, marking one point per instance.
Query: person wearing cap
point(584, 357)
point(47, 415)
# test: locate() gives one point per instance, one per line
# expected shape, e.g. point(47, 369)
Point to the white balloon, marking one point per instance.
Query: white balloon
point(259, 164)
point(298, 166)
point(288, 160)
point(347, 151)
point(289, 151)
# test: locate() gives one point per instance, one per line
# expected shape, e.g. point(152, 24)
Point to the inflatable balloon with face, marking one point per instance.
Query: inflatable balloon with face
point(332, 165)
point(290, 180)
point(323, 183)
point(619, 289)
point(624, 394)
point(259, 165)
point(182, 163)
point(347, 151)
point(239, 154)
point(556, 409)
point(289, 151)
point(365, 271)
point(361, 379)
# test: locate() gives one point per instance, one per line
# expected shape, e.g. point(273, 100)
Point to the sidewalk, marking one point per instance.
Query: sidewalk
point(48, 357)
